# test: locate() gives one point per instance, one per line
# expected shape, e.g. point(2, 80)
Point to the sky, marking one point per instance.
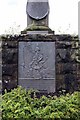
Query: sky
point(63, 17)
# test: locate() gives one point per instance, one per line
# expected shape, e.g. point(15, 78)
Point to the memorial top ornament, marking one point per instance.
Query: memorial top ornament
point(37, 12)
point(37, 9)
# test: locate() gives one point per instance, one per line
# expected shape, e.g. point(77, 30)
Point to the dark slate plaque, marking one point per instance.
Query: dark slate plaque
point(37, 9)
point(37, 65)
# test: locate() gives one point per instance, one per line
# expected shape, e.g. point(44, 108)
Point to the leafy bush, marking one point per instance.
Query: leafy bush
point(18, 105)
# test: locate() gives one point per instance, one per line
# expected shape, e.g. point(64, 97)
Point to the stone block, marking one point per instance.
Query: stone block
point(63, 55)
point(70, 82)
point(75, 44)
point(0, 71)
point(60, 84)
point(64, 37)
point(11, 56)
point(69, 68)
point(9, 82)
point(9, 70)
point(59, 68)
point(9, 44)
point(0, 44)
point(63, 45)
point(0, 56)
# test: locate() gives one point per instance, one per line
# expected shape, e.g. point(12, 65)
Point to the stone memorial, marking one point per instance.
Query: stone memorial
point(36, 59)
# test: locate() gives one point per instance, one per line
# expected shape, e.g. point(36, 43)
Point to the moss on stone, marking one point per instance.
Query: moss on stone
point(34, 27)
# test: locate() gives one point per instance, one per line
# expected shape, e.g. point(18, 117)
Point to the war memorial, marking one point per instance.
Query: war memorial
point(38, 58)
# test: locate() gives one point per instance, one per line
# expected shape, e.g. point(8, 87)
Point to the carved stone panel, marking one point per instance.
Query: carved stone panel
point(37, 65)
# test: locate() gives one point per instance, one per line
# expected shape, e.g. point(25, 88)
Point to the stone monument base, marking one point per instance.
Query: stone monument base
point(47, 86)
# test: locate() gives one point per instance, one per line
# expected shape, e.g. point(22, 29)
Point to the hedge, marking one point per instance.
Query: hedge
point(19, 105)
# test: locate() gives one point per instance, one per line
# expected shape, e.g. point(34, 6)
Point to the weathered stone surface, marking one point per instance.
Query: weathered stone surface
point(37, 13)
point(0, 56)
point(9, 44)
point(37, 37)
point(64, 37)
point(63, 55)
point(9, 82)
point(63, 68)
point(69, 64)
point(37, 9)
point(59, 68)
point(41, 85)
point(37, 63)
point(10, 55)
point(0, 71)
point(70, 82)
point(75, 44)
point(69, 68)
point(63, 44)
point(0, 44)
point(60, 82)
point(9, 69)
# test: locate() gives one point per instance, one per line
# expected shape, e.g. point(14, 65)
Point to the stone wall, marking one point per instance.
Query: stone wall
point(67, 63)
point(0, 66)
point(67, 60)
point(9, 62)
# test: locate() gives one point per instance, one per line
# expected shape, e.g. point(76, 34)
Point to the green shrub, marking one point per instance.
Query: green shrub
point(18, 105)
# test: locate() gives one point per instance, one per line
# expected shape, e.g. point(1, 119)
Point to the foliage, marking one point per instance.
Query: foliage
point(19, 105)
